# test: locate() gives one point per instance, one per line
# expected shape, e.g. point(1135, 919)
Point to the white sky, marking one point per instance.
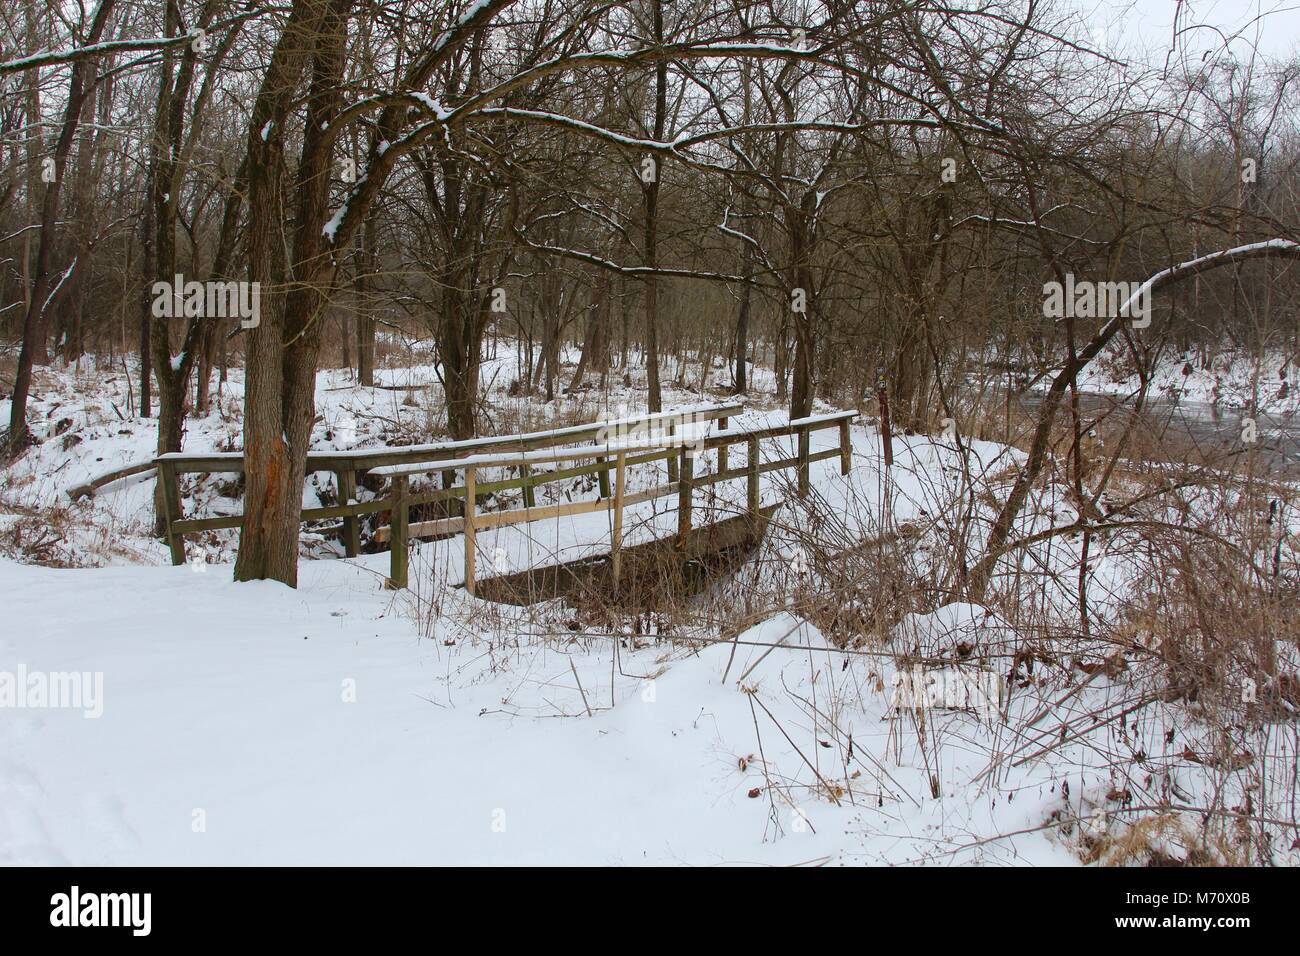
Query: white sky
point(1135, 25)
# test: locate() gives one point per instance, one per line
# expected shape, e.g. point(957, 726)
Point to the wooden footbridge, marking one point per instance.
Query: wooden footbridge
point(605, 449)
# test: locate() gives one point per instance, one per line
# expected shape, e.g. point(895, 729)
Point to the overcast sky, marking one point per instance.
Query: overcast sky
point(1135, 25)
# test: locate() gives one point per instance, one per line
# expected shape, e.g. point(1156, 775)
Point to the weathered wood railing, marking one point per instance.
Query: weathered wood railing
point(613, 455)
point(349, 466)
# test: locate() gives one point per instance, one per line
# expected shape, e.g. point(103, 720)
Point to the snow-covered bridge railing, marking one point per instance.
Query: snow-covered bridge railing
point(617, 456)
point(347, 466)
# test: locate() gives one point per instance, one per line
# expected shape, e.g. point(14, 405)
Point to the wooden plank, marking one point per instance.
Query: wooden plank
point(365, 459)
point(347, 485)
point(470, 508)
point(425, 529)
point(722, 449)
point(191, 525)
point(813, 423)
point(846, 448)
point(764, 467)
point(397, 559)
point(496, 519)
point(602, 476)
point(649, 494)
point(543, 456)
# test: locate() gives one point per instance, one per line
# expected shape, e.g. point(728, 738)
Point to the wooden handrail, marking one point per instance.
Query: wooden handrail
point(718, 439)
point(108, 477)
point(367, 459)
point(680, 450)
point(346, 466)
point(522, 452)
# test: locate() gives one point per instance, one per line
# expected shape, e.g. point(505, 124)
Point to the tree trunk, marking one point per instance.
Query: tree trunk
point(365, 306)
point(651, 233)
point(740, 376)
point(279, 405)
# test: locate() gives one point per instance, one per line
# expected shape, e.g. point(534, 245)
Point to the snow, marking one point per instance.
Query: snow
point(55, 57)
point(432, 105)
point(1220, 379)
point(332, 226)
point(559, 119)
point(315, 727)
point(345, 723)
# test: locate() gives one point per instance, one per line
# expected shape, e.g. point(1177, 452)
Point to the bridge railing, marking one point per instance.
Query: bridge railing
point(613, 455)
point(350, 466)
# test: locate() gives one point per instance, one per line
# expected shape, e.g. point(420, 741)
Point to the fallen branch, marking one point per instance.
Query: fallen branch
point(107, 478)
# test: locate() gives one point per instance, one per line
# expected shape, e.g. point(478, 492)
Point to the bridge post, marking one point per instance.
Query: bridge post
point(752, 478)
point(846, 448)
point(470, 503)
point(805, 443)
point(530, 494)
point(602, 477)
point(616, 535)
point(347, 485)
point(399, 524)
point(722, 449)
point(449, 481)
point(672, 461)
point(171, 498)
point(685, 483)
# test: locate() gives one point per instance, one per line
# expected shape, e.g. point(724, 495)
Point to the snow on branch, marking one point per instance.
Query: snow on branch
point(638, 271)
point(1214, 260)
point(58, 57)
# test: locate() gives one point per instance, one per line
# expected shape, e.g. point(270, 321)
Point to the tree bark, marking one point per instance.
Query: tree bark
point(279, 406)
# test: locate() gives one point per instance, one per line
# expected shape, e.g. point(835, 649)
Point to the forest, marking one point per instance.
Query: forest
point(912, 383)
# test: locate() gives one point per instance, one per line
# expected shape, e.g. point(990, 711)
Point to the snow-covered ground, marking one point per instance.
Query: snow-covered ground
point(344, 723)
point(247, 723)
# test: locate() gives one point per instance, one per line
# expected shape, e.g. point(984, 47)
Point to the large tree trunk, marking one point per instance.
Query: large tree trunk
point(805, 343)
point(650, 192)
point(279, 406)
point(459, 346)
point(740, 376)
